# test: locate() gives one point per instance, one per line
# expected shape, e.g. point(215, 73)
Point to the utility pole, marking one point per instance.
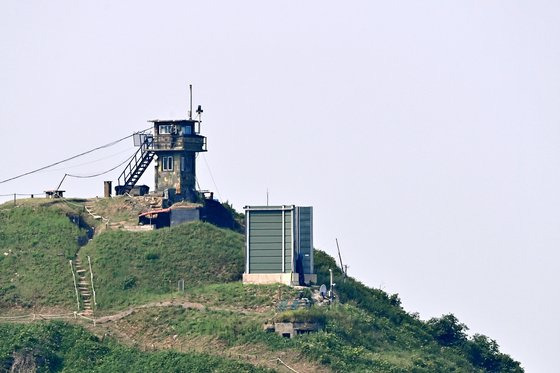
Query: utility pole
point(343, 268)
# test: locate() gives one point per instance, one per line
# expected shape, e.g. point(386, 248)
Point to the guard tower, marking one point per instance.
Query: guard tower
point(173, 145)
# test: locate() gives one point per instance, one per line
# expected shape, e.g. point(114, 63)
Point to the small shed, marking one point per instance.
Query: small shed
point(170, 216)
point(279, 245)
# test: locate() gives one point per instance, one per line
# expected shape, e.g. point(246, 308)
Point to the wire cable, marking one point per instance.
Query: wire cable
point(212, 177)
point(104, 172)
point(70, 158)
point(90, 162)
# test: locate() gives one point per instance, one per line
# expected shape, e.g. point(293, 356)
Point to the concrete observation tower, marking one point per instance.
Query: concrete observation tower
point(173, 146)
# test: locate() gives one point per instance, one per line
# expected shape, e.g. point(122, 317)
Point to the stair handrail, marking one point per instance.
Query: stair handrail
point(75, 285)
point(136, 159)
point(92, 287)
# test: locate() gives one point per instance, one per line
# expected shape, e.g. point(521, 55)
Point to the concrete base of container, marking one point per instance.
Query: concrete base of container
point(289, 279)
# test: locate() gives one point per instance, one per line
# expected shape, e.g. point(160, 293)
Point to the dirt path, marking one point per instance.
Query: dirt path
point(170, 303)
point(133, 335)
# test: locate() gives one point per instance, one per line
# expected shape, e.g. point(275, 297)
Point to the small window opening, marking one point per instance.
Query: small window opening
point(165, 129)
point(167, 163)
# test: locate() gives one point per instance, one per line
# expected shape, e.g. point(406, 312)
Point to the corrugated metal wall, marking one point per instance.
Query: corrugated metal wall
point(266, 235)
point(305, 237)
point(268, 228)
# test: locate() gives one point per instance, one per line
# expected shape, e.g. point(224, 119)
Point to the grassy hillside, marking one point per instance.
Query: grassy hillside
point(36, 243)
point(130, 268)
point(60, 347)
point(366, 330)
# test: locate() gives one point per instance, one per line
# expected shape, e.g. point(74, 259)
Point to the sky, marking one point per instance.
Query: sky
point(425, 134)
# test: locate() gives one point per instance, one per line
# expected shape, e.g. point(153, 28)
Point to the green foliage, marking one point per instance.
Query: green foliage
point(365, 330)
point(239, 218)
point(313, 315)
point(484, 353)
point(129, 282)
point(152, 256)
point(56, 346)
point(350, 290)
point(132, 267)
point(448, 331)
point(35, 245)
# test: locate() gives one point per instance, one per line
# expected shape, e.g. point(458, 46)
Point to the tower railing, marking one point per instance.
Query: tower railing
point(194, 143)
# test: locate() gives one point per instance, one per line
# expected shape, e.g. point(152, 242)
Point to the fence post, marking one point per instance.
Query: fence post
point(92, 287)
point(75, 286)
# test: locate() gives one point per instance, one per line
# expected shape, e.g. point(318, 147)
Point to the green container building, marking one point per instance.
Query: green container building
point(279, 245)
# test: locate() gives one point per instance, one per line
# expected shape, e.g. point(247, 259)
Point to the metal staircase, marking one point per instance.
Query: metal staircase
point(136, 167)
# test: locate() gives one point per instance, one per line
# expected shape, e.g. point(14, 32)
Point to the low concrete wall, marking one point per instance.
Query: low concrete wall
point(291, 329)
point(310, 278)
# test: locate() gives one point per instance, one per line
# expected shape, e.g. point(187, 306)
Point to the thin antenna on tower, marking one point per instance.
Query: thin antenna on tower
point(190, 106)
point(267, 196)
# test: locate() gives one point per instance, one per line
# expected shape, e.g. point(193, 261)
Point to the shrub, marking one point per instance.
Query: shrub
point(129, 282)
point(447, 330)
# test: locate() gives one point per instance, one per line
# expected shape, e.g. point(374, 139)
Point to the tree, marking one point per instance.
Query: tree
point(447, 330)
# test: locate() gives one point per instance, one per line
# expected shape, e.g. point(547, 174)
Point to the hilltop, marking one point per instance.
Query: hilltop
point(216, 324)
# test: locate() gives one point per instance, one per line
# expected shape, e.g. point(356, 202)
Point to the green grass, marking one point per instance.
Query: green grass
point(60, 347)
point(131, 268)
point(365, 330)
point(351, 340)
point(241, 296)
point(36, 244)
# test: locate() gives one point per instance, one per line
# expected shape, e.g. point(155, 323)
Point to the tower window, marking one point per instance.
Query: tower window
point(182, 163)
point(165, 129)
point(167, 163)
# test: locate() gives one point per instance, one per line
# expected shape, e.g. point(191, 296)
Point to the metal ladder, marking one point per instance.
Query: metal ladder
point(136, 167)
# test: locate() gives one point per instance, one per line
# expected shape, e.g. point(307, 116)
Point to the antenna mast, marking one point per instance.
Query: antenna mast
point(190, 97)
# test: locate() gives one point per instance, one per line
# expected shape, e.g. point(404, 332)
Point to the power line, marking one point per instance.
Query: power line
point(69, 159)
point(102, 173)
point(90, 162)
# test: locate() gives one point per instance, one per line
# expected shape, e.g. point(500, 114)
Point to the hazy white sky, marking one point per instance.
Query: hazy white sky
point(425, 134)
